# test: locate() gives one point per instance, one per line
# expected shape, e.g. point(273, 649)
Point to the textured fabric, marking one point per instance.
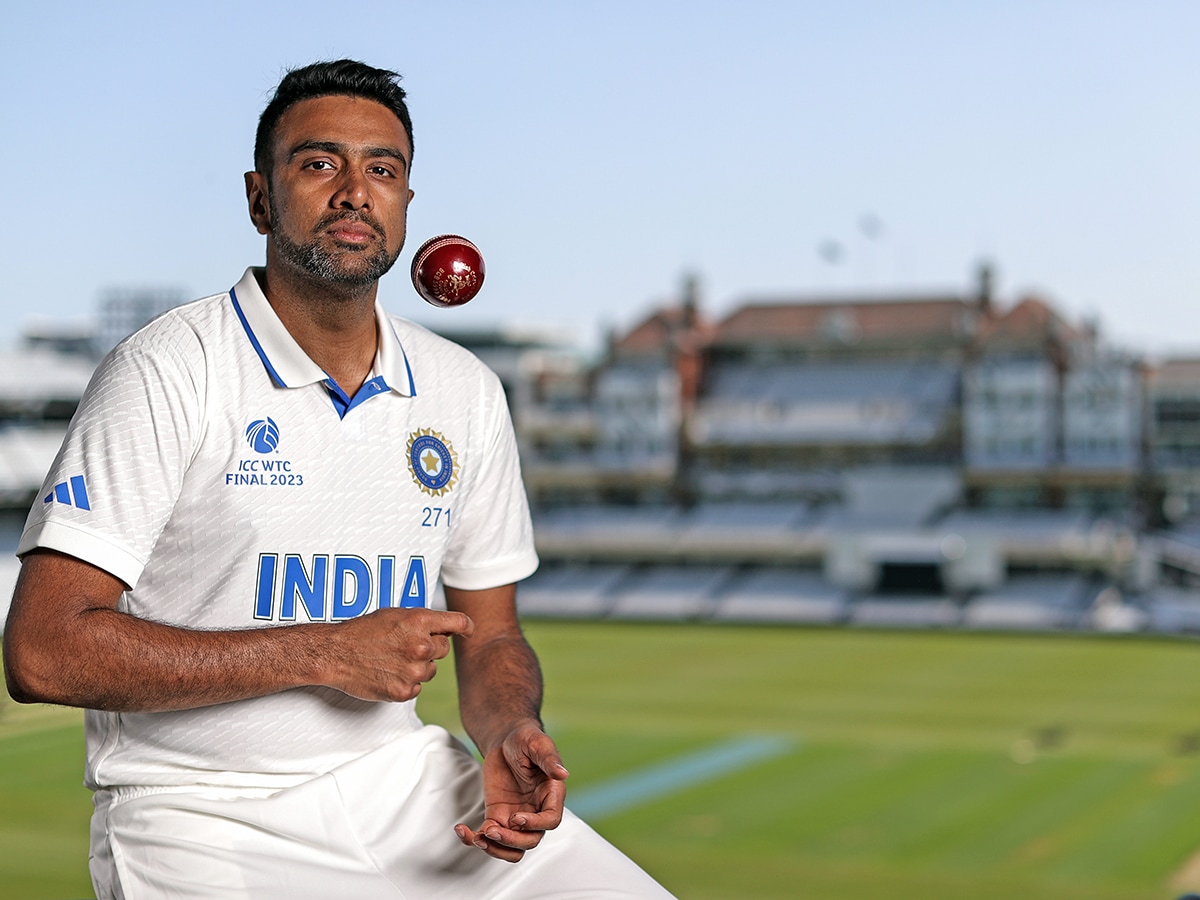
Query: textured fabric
point(214, 469)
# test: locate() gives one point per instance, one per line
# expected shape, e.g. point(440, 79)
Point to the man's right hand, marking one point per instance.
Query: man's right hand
point(390, 653)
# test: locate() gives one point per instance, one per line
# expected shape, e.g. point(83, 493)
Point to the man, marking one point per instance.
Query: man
point(232, 565)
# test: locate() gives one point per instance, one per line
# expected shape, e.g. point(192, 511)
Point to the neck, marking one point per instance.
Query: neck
point(333, 323)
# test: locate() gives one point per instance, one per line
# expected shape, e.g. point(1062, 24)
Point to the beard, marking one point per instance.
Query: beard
point(351, 266)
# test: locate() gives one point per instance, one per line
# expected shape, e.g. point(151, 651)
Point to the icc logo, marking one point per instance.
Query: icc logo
point(263, 435)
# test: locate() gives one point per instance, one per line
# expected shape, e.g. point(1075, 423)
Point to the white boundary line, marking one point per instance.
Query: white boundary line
point(652, 782)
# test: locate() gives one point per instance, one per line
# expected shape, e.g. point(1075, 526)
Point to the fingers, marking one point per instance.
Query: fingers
point(452, 622)
point(441, 622)
point(425, 633)
point(547, 818)
point(540, 749)
point(524, 791)
point(387, 654)
point(500, 843)
point(549, 762)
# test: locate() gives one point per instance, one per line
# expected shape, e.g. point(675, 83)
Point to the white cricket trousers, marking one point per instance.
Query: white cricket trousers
point(381, 826)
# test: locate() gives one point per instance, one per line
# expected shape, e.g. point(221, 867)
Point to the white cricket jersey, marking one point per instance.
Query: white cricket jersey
point(217, 470)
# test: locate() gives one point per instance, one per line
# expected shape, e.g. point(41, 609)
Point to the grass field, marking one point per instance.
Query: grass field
point(911, 765)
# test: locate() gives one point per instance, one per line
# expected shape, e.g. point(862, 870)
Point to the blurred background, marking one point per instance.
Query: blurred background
point(852, 317)
point(891, 305)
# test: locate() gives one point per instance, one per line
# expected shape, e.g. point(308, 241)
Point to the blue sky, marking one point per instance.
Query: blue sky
point(598, 151)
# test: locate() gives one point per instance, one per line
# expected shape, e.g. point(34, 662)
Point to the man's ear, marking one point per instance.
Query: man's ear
point(258, 201)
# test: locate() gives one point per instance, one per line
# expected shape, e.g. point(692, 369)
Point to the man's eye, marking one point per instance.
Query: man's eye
point(319, 164)
point(381, 170)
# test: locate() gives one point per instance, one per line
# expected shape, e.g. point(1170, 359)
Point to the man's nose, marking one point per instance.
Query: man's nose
point(353, 191)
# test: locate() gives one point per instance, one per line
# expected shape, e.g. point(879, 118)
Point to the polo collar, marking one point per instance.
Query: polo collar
point(287, 363)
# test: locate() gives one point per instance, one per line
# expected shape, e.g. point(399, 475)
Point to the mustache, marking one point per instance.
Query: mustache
point(351, 216)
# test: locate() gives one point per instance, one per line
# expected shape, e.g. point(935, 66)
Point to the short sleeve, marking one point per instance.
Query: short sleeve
point(492, 542)
point(116, 479)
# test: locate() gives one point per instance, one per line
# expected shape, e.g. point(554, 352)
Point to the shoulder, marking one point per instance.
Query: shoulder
point(183, 335)
point(182, 328)
point(175, 353)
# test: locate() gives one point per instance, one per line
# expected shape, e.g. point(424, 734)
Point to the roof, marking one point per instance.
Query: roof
point(670, 326)
point(898, 322)
point(1032, 322)
point(945, 319)
point(1173, 374)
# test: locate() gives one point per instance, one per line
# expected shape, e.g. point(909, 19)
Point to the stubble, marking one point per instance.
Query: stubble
point(352, 266)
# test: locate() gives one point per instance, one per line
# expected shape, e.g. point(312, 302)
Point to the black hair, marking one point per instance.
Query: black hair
point(323, 79)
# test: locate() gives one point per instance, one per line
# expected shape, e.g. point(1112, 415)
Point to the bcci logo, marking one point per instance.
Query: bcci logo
point(263, 435)
point(432, 461)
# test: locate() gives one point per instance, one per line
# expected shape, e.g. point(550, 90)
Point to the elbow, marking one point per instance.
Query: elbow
point(27, 678)
point(23, 689)
point(17, 689)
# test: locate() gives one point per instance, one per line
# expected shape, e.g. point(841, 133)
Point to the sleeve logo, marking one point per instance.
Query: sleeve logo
point(72, 492)
point(432, 462)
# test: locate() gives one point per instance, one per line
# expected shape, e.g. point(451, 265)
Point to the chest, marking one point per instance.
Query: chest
point(301, 514)
point(295, 453)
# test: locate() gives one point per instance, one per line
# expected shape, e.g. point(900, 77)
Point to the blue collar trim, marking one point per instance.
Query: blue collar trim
point(412, 384)
point(237, 307)
point(343, 403)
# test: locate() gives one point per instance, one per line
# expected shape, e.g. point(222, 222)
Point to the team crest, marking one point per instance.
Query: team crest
point(432, 461)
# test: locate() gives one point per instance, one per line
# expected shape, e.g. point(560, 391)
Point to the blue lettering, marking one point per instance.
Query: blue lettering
point(311, 591)
point(387, 580)
point(241, 478)
point(413, 593)
point(265, 592)
point(347, 589)
point(348, 604)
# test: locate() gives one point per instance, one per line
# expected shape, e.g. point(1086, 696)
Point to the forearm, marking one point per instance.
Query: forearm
point(125, 664)
point(500, 701)
point(67, 643)
point(499, 688)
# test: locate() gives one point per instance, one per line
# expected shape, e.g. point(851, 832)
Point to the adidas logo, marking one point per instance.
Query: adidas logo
point(72, 493)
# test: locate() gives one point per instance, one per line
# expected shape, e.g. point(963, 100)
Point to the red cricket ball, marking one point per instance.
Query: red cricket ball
point(447, 270)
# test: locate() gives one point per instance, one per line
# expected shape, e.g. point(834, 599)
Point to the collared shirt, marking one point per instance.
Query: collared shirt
point(289, 366)
point(221, 474)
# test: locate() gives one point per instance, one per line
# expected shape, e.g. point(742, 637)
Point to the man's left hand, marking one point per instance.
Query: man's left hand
point(523, 794)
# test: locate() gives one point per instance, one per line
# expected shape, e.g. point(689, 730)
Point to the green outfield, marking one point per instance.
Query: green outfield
point(912, 765)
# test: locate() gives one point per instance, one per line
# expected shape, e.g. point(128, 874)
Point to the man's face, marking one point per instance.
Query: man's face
point(337, 195)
